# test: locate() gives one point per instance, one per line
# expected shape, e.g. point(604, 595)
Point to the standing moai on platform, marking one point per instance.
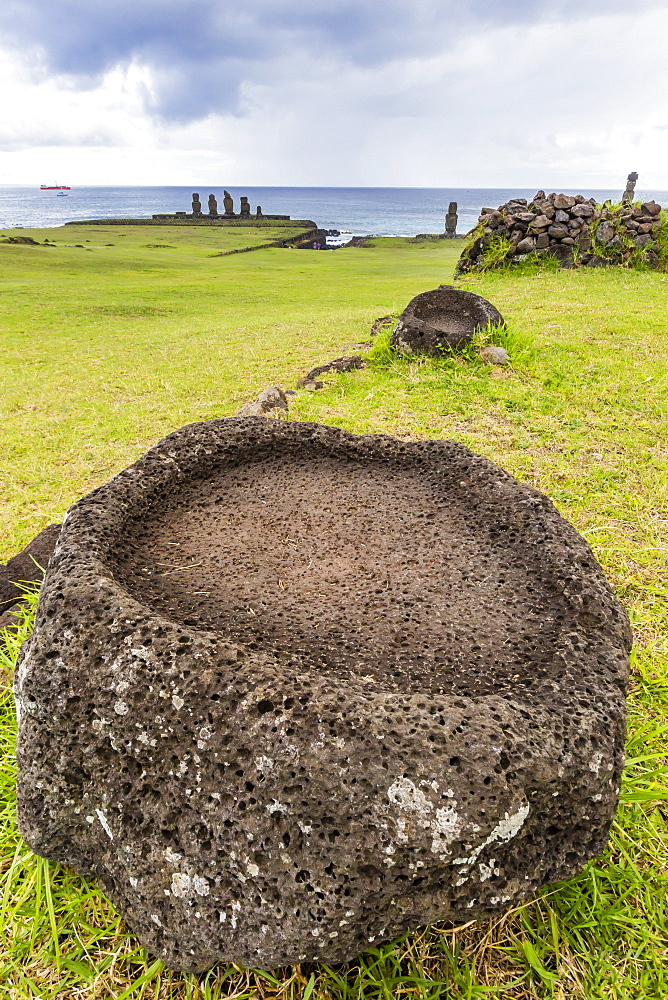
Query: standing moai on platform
point(244, 209)
point(451, 220)
point(197, 204)
point(213, 205)
point(258, 211)
point(228, 202)
point(630, 188)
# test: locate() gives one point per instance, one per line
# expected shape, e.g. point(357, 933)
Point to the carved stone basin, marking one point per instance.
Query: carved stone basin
point(444, 318)
point(293, 691)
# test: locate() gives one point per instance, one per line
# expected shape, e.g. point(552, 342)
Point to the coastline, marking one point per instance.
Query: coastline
point(400, 212)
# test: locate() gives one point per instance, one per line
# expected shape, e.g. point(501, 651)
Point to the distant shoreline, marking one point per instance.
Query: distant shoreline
point(382, 211)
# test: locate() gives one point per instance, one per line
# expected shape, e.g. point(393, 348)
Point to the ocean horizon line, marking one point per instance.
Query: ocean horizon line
point(382, 211)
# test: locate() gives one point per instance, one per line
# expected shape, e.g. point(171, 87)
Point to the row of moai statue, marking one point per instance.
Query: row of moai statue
point(451, 220)
point(627, 197)
point(228, 202)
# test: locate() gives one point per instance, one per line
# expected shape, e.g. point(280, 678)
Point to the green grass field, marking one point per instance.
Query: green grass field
point(104, 352)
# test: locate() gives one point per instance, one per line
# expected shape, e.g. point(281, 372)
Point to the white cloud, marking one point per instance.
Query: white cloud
point(558, 102)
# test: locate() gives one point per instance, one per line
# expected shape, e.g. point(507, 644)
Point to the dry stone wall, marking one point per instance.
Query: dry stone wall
point(571, 228)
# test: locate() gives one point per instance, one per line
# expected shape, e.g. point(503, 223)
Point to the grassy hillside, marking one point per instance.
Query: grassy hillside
point(104, 352)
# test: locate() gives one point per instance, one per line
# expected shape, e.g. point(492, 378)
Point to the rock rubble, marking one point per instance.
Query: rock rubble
point(569, 227)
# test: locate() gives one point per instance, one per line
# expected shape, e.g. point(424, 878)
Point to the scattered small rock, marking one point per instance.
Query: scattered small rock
point(311, 384)
point(347, 363)
point(271, 399)
point(494, 355)
point(379, 323)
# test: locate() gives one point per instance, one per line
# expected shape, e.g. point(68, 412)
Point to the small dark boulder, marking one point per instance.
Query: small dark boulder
point(11, 617)
point(605, 232)
point(595, 261)
point(310, 384)
point(583, 211)
point(492, 354)
point(563, 253)
point(563, 201)
point(444, 318)
point(558, 230)
point(27, 566)
point(527, 245)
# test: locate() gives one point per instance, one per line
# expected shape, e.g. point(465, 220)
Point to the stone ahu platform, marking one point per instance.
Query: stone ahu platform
point(292, 692)
point(270, 221)
point(212, 218)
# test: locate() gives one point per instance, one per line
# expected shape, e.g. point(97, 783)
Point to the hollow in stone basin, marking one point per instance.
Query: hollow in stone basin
point(292, 691)
point(364, 569)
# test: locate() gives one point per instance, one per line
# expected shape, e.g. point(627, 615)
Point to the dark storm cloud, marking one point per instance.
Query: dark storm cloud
point(202, 51)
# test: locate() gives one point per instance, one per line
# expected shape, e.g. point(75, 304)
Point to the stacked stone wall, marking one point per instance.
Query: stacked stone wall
point(572, 228)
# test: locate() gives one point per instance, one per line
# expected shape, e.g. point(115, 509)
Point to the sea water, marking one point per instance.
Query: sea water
point(355, 211)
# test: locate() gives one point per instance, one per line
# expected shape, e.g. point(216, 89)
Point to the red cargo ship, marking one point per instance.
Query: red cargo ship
point(55, 187)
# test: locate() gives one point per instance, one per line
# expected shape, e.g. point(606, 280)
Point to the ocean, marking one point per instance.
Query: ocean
point(354, 211)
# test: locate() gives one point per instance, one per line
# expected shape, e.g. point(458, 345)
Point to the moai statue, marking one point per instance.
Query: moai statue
point(197, 204)
point(244, 209)
point(451, 220)
point(627, 197)
point(258, 211)
point(228, 202)
point(213, 205)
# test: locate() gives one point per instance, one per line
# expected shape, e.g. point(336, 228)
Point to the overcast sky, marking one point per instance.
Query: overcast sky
point(415, 93)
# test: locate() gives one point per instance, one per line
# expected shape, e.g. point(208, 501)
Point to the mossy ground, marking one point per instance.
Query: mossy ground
point(105, 352)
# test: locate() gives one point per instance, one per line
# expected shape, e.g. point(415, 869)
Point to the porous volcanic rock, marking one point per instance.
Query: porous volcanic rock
point(292, 691)
point(442, 318)
point(348, 363)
